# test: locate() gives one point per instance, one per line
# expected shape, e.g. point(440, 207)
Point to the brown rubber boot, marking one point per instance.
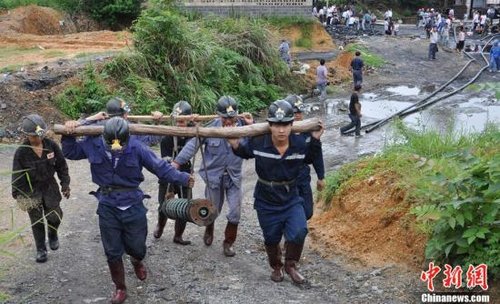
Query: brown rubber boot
point(180, 226)
point(118, 276)
point(230, 237)
point(292, 257)
point(208, 237)
point(162, 221)
point(139, 268)
point(274, 256)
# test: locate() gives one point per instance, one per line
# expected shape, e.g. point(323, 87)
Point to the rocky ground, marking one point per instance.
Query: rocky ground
point(77, 272)
point(336, 273)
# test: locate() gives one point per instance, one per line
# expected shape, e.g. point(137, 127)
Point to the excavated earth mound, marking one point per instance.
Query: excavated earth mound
point(368, 221)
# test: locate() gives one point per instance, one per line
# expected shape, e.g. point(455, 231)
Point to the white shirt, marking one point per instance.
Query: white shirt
point(434, 37)
point(461, 36)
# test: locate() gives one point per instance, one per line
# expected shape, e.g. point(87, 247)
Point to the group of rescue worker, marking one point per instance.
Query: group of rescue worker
point(283, 195)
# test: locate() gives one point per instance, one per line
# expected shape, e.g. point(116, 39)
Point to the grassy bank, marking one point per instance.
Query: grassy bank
point(368, 57)
point(452, 183)
point(177, 57)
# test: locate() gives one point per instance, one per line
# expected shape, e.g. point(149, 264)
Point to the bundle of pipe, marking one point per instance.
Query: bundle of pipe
point(201, 212)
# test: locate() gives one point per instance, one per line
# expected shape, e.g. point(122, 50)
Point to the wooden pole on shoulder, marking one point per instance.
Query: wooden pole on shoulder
point(149, 118)
point(307, 125)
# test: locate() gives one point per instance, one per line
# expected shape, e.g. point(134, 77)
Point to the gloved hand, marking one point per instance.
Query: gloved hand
point(65, 191)
point(169, 195)
point(191, 181)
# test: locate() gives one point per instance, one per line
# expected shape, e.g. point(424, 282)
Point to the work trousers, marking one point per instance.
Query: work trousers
point(226, 190)
point(123, 231)
point(289, 222)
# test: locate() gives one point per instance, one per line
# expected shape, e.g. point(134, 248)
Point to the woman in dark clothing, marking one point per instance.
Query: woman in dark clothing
point(34, 186)
point(354, 115)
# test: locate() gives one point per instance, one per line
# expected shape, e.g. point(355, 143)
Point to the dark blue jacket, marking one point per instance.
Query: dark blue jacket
point(357, 64)
point(271, 166)
point(126, 174)
point(304, 177)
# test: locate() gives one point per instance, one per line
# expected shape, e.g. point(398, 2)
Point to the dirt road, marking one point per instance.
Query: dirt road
point(77, 272)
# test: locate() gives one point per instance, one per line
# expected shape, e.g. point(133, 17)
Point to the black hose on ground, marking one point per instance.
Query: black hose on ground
point(422, 104)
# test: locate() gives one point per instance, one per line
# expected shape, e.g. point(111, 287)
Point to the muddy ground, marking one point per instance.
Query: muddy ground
point(77, 272)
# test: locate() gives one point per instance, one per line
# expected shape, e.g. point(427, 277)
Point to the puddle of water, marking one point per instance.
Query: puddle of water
point(368, 96)
point(463, 119)
point(404, 90)
point(383, 108)
point(461, 113)
point(464, 115)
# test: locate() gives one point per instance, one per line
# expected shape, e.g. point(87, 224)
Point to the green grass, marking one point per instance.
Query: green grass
point(53, 54)
point(368, 57)
point(303, 42)
point(17, 51)
point(97, 53)
point(288, 21)
point(11, 68)
point(10, 4)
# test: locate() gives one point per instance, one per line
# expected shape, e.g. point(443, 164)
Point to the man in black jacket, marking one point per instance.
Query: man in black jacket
point(169, 148)
point(34, 186)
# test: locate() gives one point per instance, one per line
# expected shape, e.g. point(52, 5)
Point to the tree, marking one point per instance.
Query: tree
point(114, 12)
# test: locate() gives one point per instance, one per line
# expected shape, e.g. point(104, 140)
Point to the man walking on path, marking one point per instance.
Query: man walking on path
point(284, 50)
point(169, 148)
point(304, 178)
point(279, 158)
point(354, 114)
point(34, 186)
point(116, 161)
point(221, 171)
point(357, 65)
point(322, 79)
point(433, 48)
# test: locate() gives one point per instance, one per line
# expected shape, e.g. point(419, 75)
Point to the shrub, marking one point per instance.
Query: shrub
point(452, 182)
point(88, 97)
point(113, 12)
point(463, 210)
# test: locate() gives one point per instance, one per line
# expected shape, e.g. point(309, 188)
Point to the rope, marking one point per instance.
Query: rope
point(200, 146)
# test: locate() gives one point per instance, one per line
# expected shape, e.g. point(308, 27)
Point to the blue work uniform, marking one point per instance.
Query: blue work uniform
point(277, 200)
point(357, 70)
point(304, 179)
point(220, 169)
point(122, 214)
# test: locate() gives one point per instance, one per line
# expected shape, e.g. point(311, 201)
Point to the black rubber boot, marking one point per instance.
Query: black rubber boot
point(162, 221)
point(53, 239)
point(180, 226)
point(208, 237)
point(39, 236)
